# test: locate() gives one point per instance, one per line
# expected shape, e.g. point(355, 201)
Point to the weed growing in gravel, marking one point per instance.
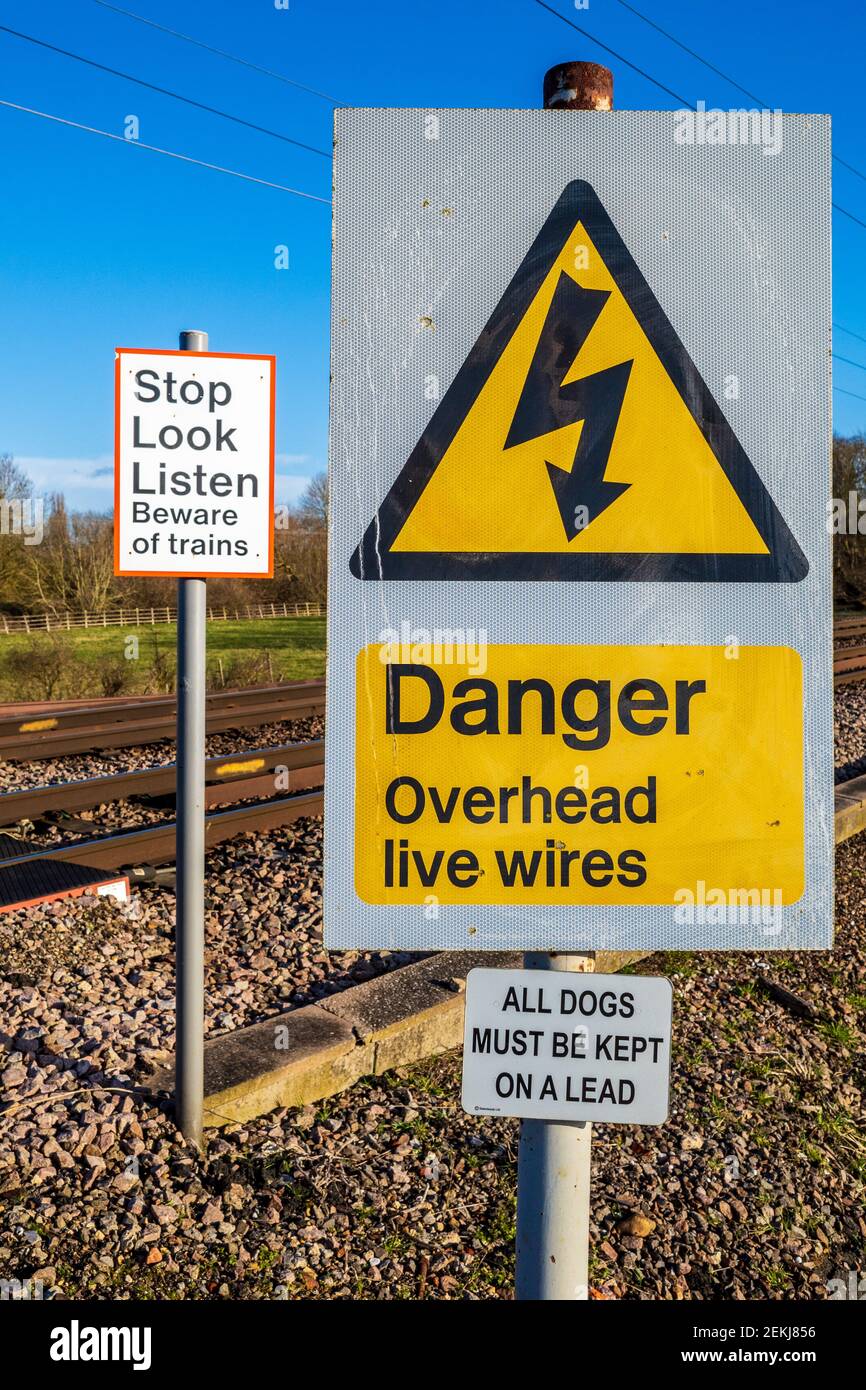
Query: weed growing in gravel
point(719, 1111)
point(761, 1068)
point(696, 1055)
point(677, 963)
point(817, 1157)
point(364, 1214)
point(839, 1033)
point(424, 1082)
point(496, 1236)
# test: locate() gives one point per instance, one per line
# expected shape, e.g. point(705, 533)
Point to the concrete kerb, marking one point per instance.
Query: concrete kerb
point(320, 1049)
point(850, 814)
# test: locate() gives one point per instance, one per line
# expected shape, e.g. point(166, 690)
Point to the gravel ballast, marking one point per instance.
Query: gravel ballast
point(753, 1189)
point(849, 703)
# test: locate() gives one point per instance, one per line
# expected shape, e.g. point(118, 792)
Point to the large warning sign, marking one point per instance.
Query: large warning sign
point(579, 612)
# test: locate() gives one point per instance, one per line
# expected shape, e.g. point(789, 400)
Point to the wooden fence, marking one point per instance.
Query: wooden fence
point(136, 617)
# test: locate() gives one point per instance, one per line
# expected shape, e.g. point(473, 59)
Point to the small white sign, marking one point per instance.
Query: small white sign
point(194, 464)
point(546, 1045)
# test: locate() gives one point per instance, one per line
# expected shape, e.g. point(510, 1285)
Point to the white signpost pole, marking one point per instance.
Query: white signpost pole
point(554, 1159)
point(189, 923)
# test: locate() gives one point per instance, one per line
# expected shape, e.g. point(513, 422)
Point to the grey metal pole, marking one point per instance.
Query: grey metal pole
point(553, 1177)
point(189, 927)
point(553, 1163)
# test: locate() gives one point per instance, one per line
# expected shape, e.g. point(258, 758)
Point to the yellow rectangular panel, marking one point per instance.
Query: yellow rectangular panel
point(588, 775)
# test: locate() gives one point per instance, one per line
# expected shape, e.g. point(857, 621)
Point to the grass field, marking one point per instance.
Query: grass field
point(104, 661)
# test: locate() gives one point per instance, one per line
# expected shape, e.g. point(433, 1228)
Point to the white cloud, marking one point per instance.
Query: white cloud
point(292, 460)
point(84, 482)
point(289, 487)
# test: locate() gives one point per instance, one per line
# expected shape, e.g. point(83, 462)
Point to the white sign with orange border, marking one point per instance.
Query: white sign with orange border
point(194, 464)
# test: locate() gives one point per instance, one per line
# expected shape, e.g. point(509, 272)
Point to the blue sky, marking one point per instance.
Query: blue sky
point(103, 244)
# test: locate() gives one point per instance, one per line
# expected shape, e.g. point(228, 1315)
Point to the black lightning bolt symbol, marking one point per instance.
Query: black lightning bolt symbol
point(546, 405)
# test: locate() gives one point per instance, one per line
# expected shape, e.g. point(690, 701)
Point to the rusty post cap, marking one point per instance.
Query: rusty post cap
point(578, 87)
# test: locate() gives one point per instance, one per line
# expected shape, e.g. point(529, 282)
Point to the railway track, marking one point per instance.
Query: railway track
point(248, 782)
point(235, 777)
point(849, 665)
point(122, 724)
point(258, 778)
point(854, 625)
point(263, 787)
point(155, 844)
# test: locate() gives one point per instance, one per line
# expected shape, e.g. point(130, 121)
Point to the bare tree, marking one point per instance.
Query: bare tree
point(301, 559)
point(73, 569)
point(14, 482)
point(15, 487)
point(313, 506)
point(44, 667)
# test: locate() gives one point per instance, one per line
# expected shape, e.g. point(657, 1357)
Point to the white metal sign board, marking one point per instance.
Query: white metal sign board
point(579, 680)
point(194, 464)
point(551, 1045)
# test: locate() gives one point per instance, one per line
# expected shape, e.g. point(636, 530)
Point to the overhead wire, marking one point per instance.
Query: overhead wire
point(220, 52)
point(172, 154)
point(166, 92)
point(581, 29)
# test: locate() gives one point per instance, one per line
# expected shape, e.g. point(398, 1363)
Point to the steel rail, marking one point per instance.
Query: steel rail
point(124, 708)
point(232, 777)
point(155, 844)
point(51, 744)
point(849, 665)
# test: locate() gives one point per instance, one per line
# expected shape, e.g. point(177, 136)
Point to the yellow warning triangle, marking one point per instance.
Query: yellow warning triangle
point(579, 441)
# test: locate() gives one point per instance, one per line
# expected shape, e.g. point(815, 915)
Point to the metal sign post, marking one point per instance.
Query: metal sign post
point(554, 1160)
point(189, 924)
point(595, 412)
point(559, 1050)
point(194, 499)
point(553, 1178)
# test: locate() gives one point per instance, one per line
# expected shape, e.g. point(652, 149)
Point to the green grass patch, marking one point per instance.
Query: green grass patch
point(141, 660)
point(838, 1032)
